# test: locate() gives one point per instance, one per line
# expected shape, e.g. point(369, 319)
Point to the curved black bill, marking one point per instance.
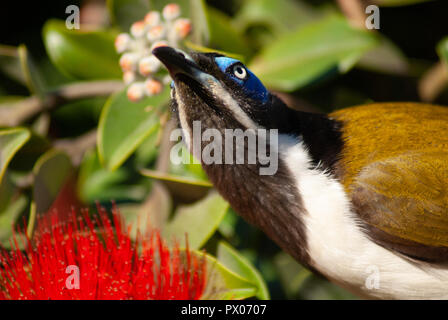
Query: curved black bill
point(175, 61)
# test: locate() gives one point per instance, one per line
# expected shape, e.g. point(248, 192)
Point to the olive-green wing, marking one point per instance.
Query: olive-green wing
point(403, 202)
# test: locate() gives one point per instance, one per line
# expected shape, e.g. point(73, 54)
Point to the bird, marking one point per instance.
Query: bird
point(360, 195)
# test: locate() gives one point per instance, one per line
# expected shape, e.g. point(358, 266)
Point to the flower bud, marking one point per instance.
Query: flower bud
point(122, 42)
point(148, 65)
point(138, 29)
point(171, 11)
point(153, 87)
point(152, 18)
point(128, 61)
point(161, 43)
point(182, 27)
point(136, 91)
point(128, 77)
point(156, 33)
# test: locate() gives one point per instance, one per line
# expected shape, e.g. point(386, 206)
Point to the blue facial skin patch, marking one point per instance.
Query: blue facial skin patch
point(252, 85)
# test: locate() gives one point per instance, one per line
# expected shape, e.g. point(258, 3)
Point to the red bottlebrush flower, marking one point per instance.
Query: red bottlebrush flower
point(95, 258)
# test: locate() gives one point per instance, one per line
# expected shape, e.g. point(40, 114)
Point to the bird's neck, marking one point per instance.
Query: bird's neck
point(273, 202)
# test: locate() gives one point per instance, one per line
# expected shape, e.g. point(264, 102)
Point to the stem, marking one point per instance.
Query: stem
point(21, 111)
point(354, 12)
point(76, 147)
point(433, 82)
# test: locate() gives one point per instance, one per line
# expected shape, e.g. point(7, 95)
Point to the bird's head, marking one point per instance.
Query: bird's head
point(219, 91)
point(222, 94)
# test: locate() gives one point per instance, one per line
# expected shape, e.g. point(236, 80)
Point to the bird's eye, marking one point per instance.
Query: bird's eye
point(240, 72)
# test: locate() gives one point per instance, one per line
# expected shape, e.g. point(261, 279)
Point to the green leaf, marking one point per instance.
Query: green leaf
point(176, 178)
point(298, 58)
point(391, 3)
point(199, 221)
point(125, 12)
point(442, 50)
point(28, 154)
point(11, 140)
point(230, 258)
point(152, 213)
point(33, 79)
point(223, 283)
point(51, 172)
point(185, 189)
point(198, 15)
point(96, 183)
point(124, 125)
point(81, 54)
point(280, 16)
point(224, 36)
point(386, 58)
point(292, 275)
point(8, 217)
point(10, 63)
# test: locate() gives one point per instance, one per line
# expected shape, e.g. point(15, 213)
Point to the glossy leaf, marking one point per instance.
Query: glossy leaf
point(81, 54)
point(280, 16)
point(96, 183)
point(223, 283)
point(10, 63)
point(33, 79)
point(291, 274)
point(11, 140)
point(124, 125)
point(233, 260)
point(442, 50)
point(184, 189)
point(125, 12)
point(29, 153)
point(224, 36)
point(385, 58)
point(51, 172)
point(152, 213)
point(298, 58)
point(8, 217)
point(199, 220)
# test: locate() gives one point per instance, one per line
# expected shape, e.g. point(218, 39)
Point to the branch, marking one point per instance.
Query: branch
point(16, 113)
point(354, 12)
point(76, 147)
point(433, 82)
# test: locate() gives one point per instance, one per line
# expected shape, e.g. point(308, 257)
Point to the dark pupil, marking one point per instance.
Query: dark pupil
point(239, 70)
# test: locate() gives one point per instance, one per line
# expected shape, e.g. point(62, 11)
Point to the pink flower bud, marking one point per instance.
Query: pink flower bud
point(153, 87)
point(171, 11)
point(148, 65)
point(128, 61)
point(128, 77)
point(138, 29)
point(122, 42)
point(161, 43)
point(182, 27)
point(156, 33)
point(136, 91)
point(152, 18)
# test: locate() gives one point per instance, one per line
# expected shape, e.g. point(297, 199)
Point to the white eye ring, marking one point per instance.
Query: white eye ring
point(240, 72)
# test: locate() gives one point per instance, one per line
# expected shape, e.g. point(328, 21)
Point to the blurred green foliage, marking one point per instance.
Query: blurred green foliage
point(64, 113)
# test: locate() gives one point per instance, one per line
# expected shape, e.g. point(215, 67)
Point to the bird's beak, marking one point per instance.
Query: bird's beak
point(179, 63)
